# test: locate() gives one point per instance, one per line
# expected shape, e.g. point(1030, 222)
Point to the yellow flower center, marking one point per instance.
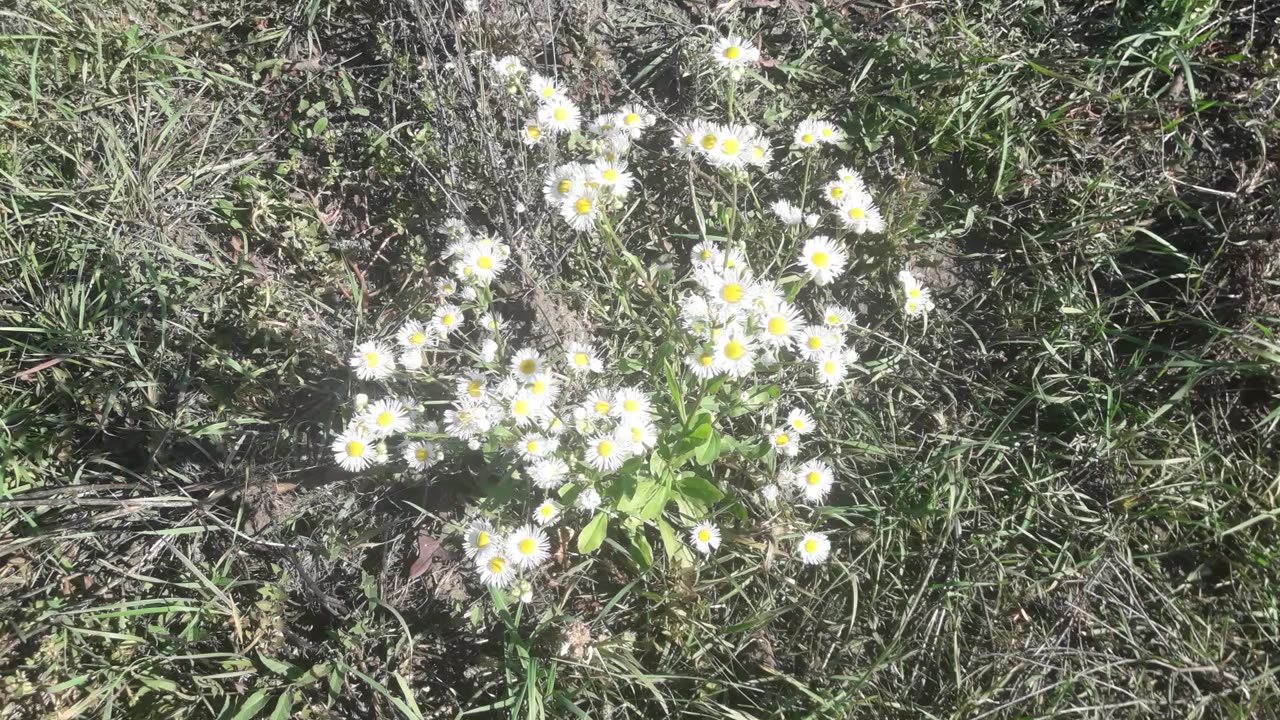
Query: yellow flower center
point(527, 546)
point(708, 141)
point(485, 262)
point(610, 174)
point(687, 139)
point(539, 387)
point(731, 293)
point(371, 359)
point(581, 359)
point(730, 146)
point(732, 52)
point(528, 365)
point(548, 91)
point(806, 138)
point(355, 448)
point(601, 407)
point(826, 132)
point(833, 319)
point(473, 388)
point(482, 539)
point(837, 192)
point(520, 408)
point(797, 424)
point(630, 119)
point(704, 255)
point(777, 325)
point(631, 405)
point(811, 546)
point(417, 338)
point(533, 131)
point(385, 418)
point(914, 293)
point(546, 510)
point(781, 439)
point(560, 114)
point(636, 434)
point(813, 478)
point(563, 186)
point(821, 259)
point(734, 350)
point(705, 359)
point(420, 454)
point(857, 213)
point(757, 152)
point(704, 535)
point(496, 564)
point(531, 446)
point(582, 206)
point(829, 367)
point(815, 342)
point(605, 448)
point(446, 319)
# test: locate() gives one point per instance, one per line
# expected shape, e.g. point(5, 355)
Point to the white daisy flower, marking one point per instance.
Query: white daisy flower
point(836, 191)
point(787, 212)
point(734, 51)
point(581, 208)
point(702, 364)
point(533, 446)
point(859, 213)
point(684, 139)
point(528, 547)
point(819, 340)
point(851, 177)
point(784, 441)
point(473, 385)
point(704, 253)
point(531, 132)
point(828, 132)
point(730, 289)
point(549, 473)
point(582, 358)
point(823, 259)
point(353, 450)
point(496, 570)
point(546, 513)
point(544, 89)
point(486, 262)
point(420, 454)
point(838, 316)
point(373, 361)
point(544, 387)
point(612, 174)
point(705, 537)
point(605, 124)
point(525, 408)
point(508, 66)
point(735, 354)
point(813, 548)
point(729, 148)
point(563, 181)
point(807, 134)
point(414, 334)
point(480, 539)
point(446, 319)
point(830, 367)
point(411, 360)
point(446, 286)
point(455, 229)
point(559, 115)
point(526, 364)
point(589, 499)
point(630, 403)
point(706, 136)
point(759, 152)
point(599, 404)
point(814, 479)
point(800, 422)
point(386, 417)
point(780, 326)
point(639, 434)
point(769, 494)
point(604, 453)
point(634, 120)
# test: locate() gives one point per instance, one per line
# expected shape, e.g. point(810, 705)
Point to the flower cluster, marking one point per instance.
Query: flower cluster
point(729, 146)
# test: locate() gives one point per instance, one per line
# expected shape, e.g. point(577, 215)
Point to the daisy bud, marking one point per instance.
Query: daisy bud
point(362, 401)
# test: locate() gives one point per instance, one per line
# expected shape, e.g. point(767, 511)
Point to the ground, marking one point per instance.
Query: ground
point(1059, 497)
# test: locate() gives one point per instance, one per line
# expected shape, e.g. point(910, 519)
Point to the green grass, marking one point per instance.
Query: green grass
point(1058, 499)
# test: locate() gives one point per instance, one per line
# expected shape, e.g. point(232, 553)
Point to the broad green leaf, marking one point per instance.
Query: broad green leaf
point(250, 708)
point(698, 489)
point(593, 533)
point(652, 510)
point(709, 450)
point(641, 551)
point(284, 706)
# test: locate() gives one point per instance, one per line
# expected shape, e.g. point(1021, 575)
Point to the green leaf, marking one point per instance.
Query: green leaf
point(284, 706)
point(641, 551)
point(252, 706)
point(709, 450)
point(593, 533)
point(698, 489)
point(644, 493)
point(319, 126)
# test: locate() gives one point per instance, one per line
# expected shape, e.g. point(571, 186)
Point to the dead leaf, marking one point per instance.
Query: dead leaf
point(428, 548)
